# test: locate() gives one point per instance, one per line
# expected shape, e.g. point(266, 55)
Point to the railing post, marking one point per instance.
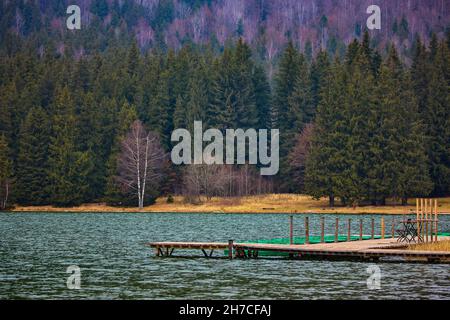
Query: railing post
point(435, 221)
point(291, 230)
point(349, 229)
point(393, 228)
point(382, 228)
point(336, 230)
point(360, 229)
point(426, 220)
point(372, 234)
point(307, 230)
point(322, 229)
point(230, 249)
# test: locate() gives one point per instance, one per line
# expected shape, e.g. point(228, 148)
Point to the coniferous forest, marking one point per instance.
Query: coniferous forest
point(360, 127)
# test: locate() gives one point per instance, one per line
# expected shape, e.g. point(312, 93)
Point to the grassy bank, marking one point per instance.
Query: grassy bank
point(274, 203)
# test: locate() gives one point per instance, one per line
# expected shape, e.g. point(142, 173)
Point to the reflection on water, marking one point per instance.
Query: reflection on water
point(37, 248)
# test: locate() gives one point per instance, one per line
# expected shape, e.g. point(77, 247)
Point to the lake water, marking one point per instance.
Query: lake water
point(37, 248)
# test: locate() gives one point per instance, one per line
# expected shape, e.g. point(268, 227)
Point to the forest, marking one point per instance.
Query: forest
point(360, 128)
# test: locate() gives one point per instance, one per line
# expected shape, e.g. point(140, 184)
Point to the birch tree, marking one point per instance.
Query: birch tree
point(140, 162)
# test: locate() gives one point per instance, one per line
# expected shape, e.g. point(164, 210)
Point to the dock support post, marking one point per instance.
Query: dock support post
point(230, 249)
point(322, 229)
point(360, 229)
point(426, 220)
point(435, 221)
point(349, 229)
point(336, 230)
point(422, 227)
point(382, 228)
point(372, 234)
point(291, 230)
point(307, 230)
point(417, 216)
point(393, 228)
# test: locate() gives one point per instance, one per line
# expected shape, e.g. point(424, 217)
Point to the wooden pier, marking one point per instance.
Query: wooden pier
point(365, 250)
point(365, 247)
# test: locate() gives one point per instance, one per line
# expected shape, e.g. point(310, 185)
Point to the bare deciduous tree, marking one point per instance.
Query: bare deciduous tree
point(204, 179)
point(223, 180)
point(140, 161)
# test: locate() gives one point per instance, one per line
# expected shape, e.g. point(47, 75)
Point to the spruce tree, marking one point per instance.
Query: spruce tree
point(402, 168)
point(262, 97)
point(325, 161)
point(284, 86)
point(126, 116)
point(437, 121)
point(32, 163)
point(68, 167)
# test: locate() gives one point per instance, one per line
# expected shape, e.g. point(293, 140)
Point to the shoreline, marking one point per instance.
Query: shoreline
point(261, 204)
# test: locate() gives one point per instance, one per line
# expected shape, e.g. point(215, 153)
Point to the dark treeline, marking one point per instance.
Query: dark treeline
point(360, 128)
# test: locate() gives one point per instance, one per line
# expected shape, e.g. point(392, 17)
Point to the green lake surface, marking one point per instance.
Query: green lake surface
point(109, 248)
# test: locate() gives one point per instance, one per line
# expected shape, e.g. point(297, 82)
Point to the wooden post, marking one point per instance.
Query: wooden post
point(382, 228)
point(435, 221)
point(360, 229)
point(322, 229)
point(230, 249)
point(372, 234)
point(417, 214)
point(426, 220)
point(349, 229)
point(307, 230)
point(431, 220)
point(336, 230)
point(393, 228)
point(421, 218)
point(291, 230)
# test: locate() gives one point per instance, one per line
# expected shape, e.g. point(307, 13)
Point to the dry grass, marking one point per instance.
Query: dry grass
point(435, 246)
point(272, 203)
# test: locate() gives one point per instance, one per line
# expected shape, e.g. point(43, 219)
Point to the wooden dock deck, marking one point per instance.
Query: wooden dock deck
point(366, 250)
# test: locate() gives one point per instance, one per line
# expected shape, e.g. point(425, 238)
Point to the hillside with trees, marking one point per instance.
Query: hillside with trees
point(361, 124)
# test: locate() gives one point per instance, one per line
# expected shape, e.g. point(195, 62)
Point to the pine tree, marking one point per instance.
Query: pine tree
point(68, 167)
point(219, 113)
point(161, 111)
point(262, 97)
point(246, 115)
point(403, 165)
point(8, 105)
point(437, 120)
point(198, 99)
point(32, 162)
point(319, 69)
point(359, 178)
point(325, 161)
point(126, 116)
point(284, 86)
